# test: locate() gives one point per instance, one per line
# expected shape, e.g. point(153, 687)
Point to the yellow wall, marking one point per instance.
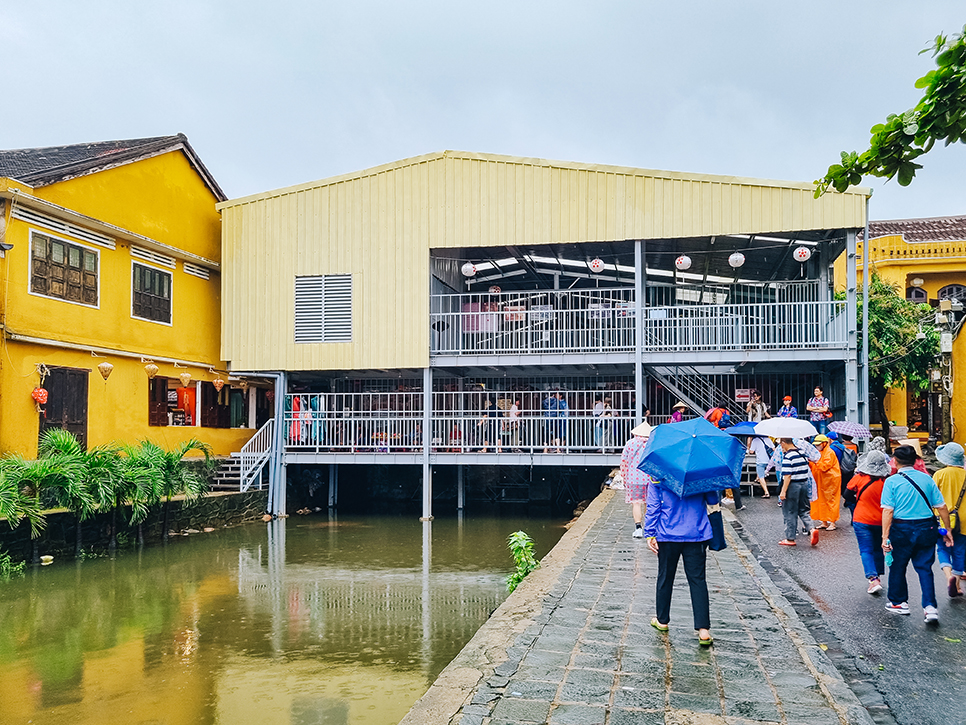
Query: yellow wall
point(162, 198)
point(379, 226)
point(938, 264)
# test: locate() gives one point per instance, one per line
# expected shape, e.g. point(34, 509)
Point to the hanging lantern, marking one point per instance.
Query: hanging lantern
point(495, 289)
point(105, 369)
point(39, 395)
point(270, 395)
point(185, 379)
point(596, 265)
point(736, 260)
point(151, 369)
point(802, 254)
point(468, 269)
point(683, 262)
point(218, 383)
point(243, 384)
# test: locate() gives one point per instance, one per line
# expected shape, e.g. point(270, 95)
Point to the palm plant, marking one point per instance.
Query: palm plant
point(31, 479)
point(94, 482)
point(175, 475)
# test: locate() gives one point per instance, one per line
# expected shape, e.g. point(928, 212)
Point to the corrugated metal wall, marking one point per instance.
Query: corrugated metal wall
point(379, 225)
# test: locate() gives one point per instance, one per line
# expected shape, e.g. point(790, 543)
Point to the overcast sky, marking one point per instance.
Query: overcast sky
point(278, 93)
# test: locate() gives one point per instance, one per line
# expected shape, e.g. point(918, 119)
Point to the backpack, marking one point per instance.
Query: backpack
point(847, 463)
point(725, 420)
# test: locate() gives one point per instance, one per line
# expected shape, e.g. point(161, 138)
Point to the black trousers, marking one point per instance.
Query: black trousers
point(695, 555)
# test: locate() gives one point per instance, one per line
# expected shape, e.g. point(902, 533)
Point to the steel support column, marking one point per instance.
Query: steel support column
point(639, 267)
point(333, 485)
point(460, 489)
point(276, 476)
point(427, 444)
point(851, 360)
point(864, 397)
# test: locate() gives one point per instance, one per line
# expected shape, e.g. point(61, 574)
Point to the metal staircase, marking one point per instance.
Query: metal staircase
point(695, 389)
point(254, 455)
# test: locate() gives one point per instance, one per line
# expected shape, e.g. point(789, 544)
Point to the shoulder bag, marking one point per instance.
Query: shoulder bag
point(954, 514)
point(718, 541)
point(924, 498)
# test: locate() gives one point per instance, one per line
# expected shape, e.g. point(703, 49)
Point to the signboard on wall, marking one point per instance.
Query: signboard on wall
point(742, 395)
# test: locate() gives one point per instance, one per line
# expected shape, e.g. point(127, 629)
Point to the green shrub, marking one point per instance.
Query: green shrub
point(521, 548)
point(8, 569)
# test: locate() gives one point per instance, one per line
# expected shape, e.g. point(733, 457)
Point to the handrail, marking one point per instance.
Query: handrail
point(255, 453)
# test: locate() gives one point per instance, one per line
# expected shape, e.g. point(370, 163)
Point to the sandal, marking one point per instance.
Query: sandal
point(706, 642)
point(658, 626)
point(821, 525)
point(831, 527)
point(787, 542)
point(766, 495)
point(952, 588)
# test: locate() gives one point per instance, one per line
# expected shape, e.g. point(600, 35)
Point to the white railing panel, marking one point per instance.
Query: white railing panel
point(255, 453)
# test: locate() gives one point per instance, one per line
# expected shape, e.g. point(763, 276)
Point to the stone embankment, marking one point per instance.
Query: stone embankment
point(573, 645)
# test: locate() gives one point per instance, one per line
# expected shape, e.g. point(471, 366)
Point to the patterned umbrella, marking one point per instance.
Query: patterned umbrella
point(847, 427)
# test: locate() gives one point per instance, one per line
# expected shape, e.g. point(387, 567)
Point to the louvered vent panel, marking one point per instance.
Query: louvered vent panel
point(34, 217)
point(196, 271)
point(146, 255)
point(323, 309)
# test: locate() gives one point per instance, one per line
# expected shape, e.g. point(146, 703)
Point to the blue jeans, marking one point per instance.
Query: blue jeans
point(953, 556)
point(913, 540)
point(821, 425)
point(869, 538)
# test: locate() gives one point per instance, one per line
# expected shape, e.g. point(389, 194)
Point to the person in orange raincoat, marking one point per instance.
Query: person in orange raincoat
point(828, 485)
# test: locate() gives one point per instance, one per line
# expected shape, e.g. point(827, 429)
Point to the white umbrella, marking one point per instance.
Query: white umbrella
point(786, 428)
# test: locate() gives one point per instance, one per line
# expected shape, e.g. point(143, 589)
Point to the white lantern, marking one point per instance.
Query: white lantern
point(597, 265)
point(495, 289)
point(736, 260)
point(683, 262)
point(802, 254)
point(468, 269)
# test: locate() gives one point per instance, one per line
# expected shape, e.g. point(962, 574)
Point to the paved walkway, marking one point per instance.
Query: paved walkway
point(574, 646)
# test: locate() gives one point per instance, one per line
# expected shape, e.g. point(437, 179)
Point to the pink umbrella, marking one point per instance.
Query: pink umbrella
point(847, 427)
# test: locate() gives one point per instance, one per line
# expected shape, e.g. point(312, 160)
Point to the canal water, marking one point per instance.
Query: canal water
point(307, 621)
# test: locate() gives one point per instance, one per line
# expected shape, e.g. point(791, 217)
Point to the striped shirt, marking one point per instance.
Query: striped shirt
point(794, 465)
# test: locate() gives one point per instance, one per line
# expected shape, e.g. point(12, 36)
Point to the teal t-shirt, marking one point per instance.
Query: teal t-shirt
point(904, 500)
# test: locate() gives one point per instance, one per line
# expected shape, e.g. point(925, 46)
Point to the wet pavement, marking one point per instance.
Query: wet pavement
point(904, 671)
point(574, 646)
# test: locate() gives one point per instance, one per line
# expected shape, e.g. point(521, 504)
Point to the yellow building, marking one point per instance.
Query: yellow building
point(926, 258)
point(111, 274)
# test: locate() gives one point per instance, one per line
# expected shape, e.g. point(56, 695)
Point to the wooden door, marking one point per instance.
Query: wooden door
point(66, 406)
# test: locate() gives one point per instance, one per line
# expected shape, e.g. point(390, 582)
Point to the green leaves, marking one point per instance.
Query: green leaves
point(894, 145)
point(521, 548)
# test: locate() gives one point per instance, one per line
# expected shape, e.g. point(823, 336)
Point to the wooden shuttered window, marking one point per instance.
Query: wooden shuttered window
point(63, 270)
point(158, 401)
point(215, 410)
point(152, 293)
point(323, 308)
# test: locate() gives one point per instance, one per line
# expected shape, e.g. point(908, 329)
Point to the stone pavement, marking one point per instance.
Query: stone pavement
point(573, 645)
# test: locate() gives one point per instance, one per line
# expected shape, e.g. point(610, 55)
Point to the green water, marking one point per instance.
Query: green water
point(312, 620)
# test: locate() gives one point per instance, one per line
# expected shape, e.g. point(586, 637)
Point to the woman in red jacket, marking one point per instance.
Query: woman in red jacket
point(865, 489)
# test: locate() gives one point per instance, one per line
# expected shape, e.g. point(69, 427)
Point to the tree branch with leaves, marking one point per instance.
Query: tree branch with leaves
point(896, 144)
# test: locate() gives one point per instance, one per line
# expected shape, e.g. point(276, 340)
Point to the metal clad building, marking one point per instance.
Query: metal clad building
point(378, 226)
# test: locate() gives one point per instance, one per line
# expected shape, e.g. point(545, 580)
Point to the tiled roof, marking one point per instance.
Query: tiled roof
point(937, 229)
point(48, 165)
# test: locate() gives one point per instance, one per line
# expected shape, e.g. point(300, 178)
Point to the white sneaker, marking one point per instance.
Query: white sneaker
point(638, 533)
point(930, 615)
point(902, 608)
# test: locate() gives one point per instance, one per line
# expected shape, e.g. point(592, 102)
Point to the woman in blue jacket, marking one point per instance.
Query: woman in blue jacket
point(677, 528)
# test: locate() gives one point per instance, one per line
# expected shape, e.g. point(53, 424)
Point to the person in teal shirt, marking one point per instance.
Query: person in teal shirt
point(909, 532)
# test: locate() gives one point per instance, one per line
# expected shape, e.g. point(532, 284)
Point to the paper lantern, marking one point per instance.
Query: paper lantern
point(468, 269)
point(736, 260)
point(802, 254)
point(105, 369)
point(185, 379)
point(597, 265)
point(218, 383)
point(683, 262)
point(495, 290)
point(39, 395)
point(151, 369)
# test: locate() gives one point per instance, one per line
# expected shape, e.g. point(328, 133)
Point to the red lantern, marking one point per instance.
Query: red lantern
point(39, 395)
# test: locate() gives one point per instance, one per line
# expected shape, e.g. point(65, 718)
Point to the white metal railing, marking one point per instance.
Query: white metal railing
point(255, 454)
point(607, 325)
point(462, 422)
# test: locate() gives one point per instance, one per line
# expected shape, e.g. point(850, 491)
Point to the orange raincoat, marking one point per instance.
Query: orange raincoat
point(828, 485)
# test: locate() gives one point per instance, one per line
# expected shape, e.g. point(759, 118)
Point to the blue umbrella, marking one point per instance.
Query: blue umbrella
point(693, 457)
point(744, 428)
